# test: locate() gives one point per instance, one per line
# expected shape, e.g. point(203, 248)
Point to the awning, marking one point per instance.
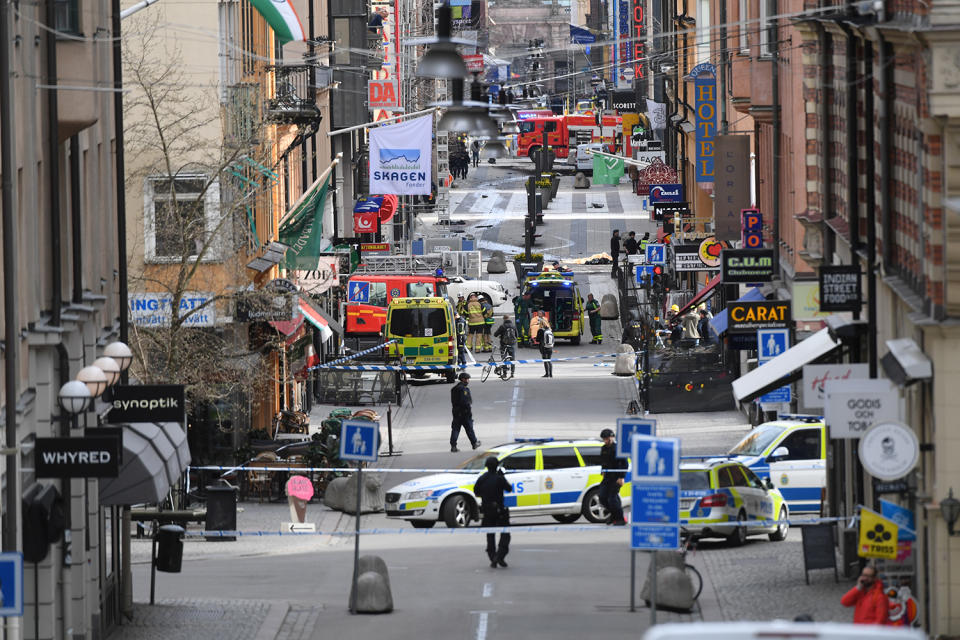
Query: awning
point(581, 35)
point(316, 318)
point(704, 293)
point(288, 327)
point(154, 456)
point(787, 365)
point(720, 321)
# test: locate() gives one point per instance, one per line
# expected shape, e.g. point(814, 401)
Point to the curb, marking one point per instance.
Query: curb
point(274, 620)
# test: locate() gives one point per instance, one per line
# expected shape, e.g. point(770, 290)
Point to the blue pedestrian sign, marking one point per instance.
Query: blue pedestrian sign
point(359, 440)
point(358, 292)
point(652, 537)
point(644, 271)
point(11, 584)
point(771, 343)
point(655, 504)
point(626, 427)
point(657, 254)
point(655, 460)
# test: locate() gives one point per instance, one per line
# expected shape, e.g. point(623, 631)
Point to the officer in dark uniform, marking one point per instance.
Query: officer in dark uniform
point(490, 488)
point(462, 413)
point(633, 333)
point(612, 480)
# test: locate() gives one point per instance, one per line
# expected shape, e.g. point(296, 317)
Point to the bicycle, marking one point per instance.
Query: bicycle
point(696, 580)
point(501, 370)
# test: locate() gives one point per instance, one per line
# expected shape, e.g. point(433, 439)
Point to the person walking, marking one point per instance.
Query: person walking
point(490, 488)
point(508, 342)
point(546, 340)
point(475, 152)
point(612, 478)
point(868, 599)
point(703, 327)
point(462, 403)
point(475, 322)
point(488, 321)
point(593, 312)
point(634, 174)
point(615, 253)
point(630, 245)
point(691, 334)
point(461, 326)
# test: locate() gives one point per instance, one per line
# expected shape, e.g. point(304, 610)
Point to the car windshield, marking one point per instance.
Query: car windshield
point(418, 323)
point(754, 443)
point(476, 463)
point(694, 480)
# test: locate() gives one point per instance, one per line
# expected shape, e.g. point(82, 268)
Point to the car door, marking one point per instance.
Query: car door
point(753, 497)
point(520, 470)
point(562, 479)
point(765, 502)
point(801, 473)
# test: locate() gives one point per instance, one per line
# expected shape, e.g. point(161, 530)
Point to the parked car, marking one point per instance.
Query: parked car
point(492, 290)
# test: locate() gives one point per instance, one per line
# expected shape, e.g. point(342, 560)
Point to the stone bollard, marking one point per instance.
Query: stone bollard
point(674, 587)
point(497, 263)
point(625, 348)
point(580, 181)
point(625, 364)
point(373, 586)
point(333, 495)
point(609, 309)
point(371, 500)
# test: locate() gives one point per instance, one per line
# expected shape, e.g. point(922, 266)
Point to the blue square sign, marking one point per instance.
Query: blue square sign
point(358, 291)
point(783, 394)
point(655, 504)
point(655, 460)
point(359, 440)
point(643, 271)
point(771, 343)
point(656, 254)
point(11, 584)
point(652, 537)
point(626, 427)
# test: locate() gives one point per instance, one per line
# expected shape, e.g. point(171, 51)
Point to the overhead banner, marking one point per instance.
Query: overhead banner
point(705, 105)
point(731, 188)
point(400, 156)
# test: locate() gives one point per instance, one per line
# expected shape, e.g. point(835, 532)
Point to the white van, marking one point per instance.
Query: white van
point(780, 630)
point(584, 160)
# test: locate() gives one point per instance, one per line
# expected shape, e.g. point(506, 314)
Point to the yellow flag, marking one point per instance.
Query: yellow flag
point(878, 536)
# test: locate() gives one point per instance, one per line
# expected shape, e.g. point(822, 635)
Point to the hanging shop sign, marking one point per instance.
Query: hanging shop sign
point(710, 251)
point(751, 229)
point(623, 101)
point(474, 63)
point(853, 406)
point(638, 40)
point(840, 288)
point(705, 105)
point(383, 94)
point(687, 257)
point(747, 265)
point(889, 450)
point(320, 279)
point(747, 317)
point(816, 377)
point(666, 193)
point(146, 403)
point(731, 189)
point(806, 300)
point(87, 457)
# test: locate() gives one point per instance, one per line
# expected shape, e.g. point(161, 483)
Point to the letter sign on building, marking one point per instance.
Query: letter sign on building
point(87, 457)
point(747, 265)
point(146, 403)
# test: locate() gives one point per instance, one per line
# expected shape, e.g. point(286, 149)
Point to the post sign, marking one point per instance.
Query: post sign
point(853, 406)
point(146, 403)
point(816, 376)
point(11, 584)
point(87, 457)
point(840, 288)
point(626, 427)
point(747, 265)
point(359, 440)
point(655, 485)
point(747, 317)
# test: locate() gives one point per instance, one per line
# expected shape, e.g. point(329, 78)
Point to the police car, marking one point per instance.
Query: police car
point(718, 493)
point(792, 453)
point(559, 478)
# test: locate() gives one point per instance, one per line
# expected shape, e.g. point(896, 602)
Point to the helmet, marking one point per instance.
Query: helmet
point(491, 462)
point(674, 307)
point(463, 376)
point(607, 433)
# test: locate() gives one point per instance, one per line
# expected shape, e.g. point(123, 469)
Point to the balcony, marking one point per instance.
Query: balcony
point(294, 99)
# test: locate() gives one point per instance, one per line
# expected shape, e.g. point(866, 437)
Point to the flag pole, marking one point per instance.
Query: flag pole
point(306, 194)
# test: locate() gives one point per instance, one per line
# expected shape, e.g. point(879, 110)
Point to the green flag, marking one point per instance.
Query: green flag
point(302, 230)
point(607, 170)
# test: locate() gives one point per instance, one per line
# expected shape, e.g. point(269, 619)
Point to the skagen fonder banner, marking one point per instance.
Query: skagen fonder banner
point(400, 156)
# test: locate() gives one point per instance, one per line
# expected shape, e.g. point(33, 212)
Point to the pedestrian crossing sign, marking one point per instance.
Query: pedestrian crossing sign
point(655, 460)
point(772, 343)
point(358, 291)
point(359, 440)
point(656, 254)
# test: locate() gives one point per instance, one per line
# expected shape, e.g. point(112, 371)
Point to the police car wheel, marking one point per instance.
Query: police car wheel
point(456, 512)
point(423, 524)
point(451, 376)
point(592, 510)
point(567, 518)
point(739, 536)
point(575, 340)
point(781, 533)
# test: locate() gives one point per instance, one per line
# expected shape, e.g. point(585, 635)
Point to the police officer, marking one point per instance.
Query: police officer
point(612, 479)
point(462, 403)
point(490, 488)
point(593, 312)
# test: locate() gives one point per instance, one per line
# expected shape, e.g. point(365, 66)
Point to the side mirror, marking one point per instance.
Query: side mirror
point(768, 484)
point(778, 453)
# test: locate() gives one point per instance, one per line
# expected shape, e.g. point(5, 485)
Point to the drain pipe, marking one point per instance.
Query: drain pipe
point(75, 226)
point(53, 168)
point(775, 174)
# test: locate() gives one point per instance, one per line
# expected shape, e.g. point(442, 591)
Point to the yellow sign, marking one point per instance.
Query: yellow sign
point(878, 536)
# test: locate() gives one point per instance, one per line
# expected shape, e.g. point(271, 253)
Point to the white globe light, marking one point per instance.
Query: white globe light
point(94, 378)
point(120, 352)
point(74, 397)
point(110, 367)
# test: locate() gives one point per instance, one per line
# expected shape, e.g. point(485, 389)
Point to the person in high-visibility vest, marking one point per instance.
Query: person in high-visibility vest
point(461, 305)
point(475, 322)
point(521, 318)
point(593, 312)
point(644, 241)
point(487, 326)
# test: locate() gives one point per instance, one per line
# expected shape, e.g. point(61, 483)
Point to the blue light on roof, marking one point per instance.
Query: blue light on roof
point(533, 440)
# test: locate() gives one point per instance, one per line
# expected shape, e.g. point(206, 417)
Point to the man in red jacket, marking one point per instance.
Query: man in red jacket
point(869, 602)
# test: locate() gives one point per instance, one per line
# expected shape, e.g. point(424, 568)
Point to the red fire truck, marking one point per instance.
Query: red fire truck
point(564, 133)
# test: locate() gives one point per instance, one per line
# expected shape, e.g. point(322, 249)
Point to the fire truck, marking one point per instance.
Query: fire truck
point(564, 133)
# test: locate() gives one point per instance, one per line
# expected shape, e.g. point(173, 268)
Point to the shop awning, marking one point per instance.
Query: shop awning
point(720, 321)
point(704, 293)
point(316, 317)
point(784, 368)
point(154, 456)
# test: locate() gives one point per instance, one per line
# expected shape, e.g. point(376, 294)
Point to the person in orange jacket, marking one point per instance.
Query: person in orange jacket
point(868, 599)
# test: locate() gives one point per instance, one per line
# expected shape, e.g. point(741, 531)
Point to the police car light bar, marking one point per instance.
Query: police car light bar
point(533, 439)
point(802, 417)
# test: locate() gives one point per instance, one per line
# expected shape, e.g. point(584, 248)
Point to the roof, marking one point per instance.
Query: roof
point(544, 442)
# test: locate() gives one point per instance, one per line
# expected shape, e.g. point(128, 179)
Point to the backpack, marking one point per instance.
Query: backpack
point(548, 338)
point(509, 334)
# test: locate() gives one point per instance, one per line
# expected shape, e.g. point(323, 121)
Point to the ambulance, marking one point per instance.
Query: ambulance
point(555, 294)
point(424, 333)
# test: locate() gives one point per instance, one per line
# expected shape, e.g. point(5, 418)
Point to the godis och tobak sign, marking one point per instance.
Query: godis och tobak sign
point(705, 105)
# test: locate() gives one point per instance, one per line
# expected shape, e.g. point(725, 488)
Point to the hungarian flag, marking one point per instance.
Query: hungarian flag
point(302, 227)
point(282, 17)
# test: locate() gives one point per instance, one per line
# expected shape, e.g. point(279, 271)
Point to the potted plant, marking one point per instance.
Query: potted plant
point(522, 266)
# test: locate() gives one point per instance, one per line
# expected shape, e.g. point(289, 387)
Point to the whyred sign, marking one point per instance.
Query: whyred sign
point(365, 221)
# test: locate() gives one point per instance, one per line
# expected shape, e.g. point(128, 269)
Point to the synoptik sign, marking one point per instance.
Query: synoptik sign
point(146, 403)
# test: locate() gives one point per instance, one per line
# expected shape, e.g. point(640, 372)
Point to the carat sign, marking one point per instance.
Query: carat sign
point(853, 406)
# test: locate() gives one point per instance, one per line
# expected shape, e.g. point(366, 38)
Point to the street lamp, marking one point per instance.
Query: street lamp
point(950, 508)
point(74, 397)
point(95, 379)
point(442, 59)
point(120, 352)
point(110, 368)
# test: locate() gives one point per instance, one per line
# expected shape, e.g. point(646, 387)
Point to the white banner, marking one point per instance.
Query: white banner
point(816, 376)
point(319, 279)
point(400, 156)
point(853, 406)
point(657, 114)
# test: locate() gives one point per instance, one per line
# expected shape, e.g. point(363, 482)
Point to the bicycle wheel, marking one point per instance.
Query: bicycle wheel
point(485, 373)
point(695, 579)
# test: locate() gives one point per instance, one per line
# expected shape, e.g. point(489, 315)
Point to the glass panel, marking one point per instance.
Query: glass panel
point(435, 320)
point(559, 458)
point(590, 455)
point(754, 443)
point(694, 480)
point(803, 444)
point(723, 477)
point(736, 474)
point(526, 127)
point(403, 322)
point(420, 290)
point(520, 461)
point(752, 479)
point(378, 294)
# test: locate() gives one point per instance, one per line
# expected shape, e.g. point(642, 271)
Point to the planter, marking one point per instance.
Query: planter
point(545, 193)
point(523, 268)
point(554, 186)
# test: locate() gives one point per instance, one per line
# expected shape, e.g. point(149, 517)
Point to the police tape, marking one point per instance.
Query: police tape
point(212, 467)
point(352, 356)
point(685, 528)
point(447, 367)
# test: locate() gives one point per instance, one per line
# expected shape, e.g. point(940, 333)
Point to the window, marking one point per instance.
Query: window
point(520, 461)
point(590, 455)
point(420, 290)
point(754, 443)
point(694, 481)
point(526, 127)
point(378, 294)
point(767, 27)
point(550, 127)
point(803, 444)
point(66, 14)
point(736, 476)
point(418, 323)
point(752, 479)
point(742, 16)
point(704, 34)
point(179, 215)
point(560, 458)
point(723, 477)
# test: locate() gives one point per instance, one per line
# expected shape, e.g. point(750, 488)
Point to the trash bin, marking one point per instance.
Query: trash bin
point(170, 548)
point(221, 510)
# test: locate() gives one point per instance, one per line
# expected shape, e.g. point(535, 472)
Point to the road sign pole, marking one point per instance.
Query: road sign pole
point(633, 579)
point(653, 588)
point(356, 549)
